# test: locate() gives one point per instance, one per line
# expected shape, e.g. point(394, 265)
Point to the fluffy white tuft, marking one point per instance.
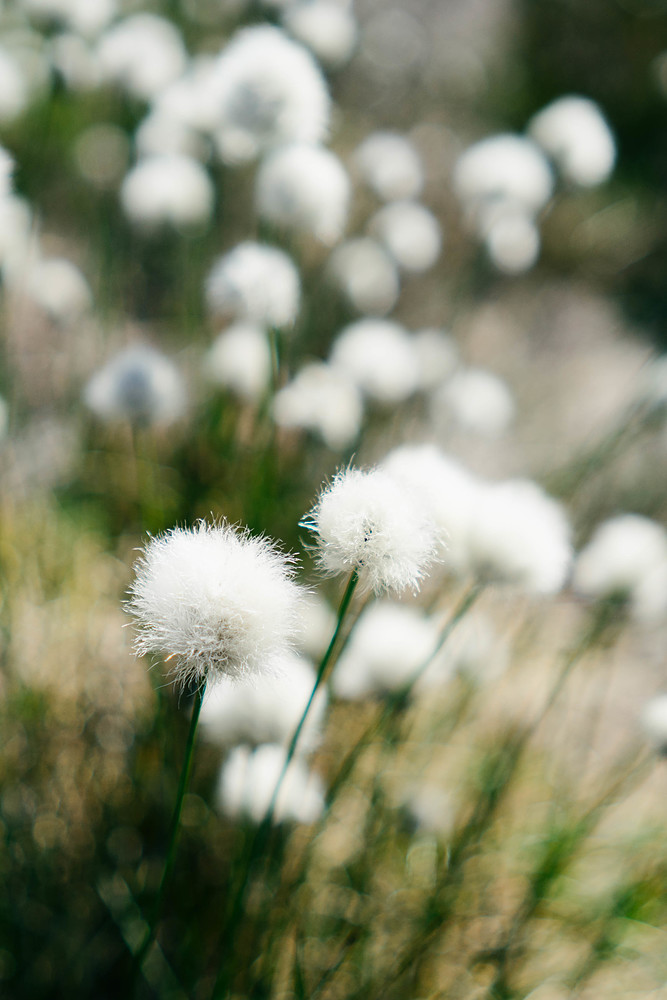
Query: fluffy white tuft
point(503, 168)
point(139, 384)
point(240, 360)
point(366, 274)
point(257, 283)
point(167, 188)
point(143, 53)
point(327, 27)
point(379, 356)
point(574, 132)
point(411, 234)
point(322, 399)
point(248, 779)
point(219, 600)
point(477, 400)
point(390, 165)
point(623, 552)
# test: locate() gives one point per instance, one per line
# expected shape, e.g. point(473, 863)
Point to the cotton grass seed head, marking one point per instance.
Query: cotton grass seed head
point(574, 132)
point(257, 283)
point(368, 522)
point(215, 601)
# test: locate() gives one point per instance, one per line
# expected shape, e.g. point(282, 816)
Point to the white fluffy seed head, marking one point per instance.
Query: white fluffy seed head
point(477, 401)
point(139, 384)
point(221, 602)
point(167, 188)
point(269, 91)
point(326, 27)
point(249, 777)
point(654, 722)
point(248, 712)
point(437, 356)
point(411, 234)
point(519, 535)
point(390, 165)
point(623, 551)
point(143, 53)
point(240, 360)
point(503, 168)
point(322, 399)
point(366, 274)
point(379, 356)
point(58, 287)
point(368, 522)
point(257, 283)
point(511, 238)
point(574, 132)
point(305, 188)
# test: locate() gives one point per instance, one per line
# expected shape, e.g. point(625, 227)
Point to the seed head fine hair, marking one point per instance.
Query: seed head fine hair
point(216, 600)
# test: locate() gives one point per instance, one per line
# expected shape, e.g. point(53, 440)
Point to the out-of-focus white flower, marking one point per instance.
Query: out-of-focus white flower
point(389, 644)
point(623, 551)
point(143, 53)
point(269, 91)
point(268, 712)
point(477, 400)
point(519, 535)
point(174, 189)
point(219, 600)
point(326, 27)
point(512, 239)
point(437, 356)
point(13, 87)
point(16, 236)
point(378, 355)
point(305, 188)
point(257, 283)
point(474, 650)
point(506, 169)
point(447, 489)
point(57, 286)
point(248, 780)
point(411, 234)
point(6, 172)
point(240, 359)
point(74, 59)
point(81, 16)
point(161, 134)
point(654, 722)
point(368, 522)
point(366, 274)
point(140, 385)
point(190, 100)
point(318, 622)
point(390, 165)
point(322, 399)
point(574, 132)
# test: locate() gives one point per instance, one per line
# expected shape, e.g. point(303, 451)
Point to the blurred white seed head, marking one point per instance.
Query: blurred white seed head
point(82, 16)
point(390, 164)
point(306, 188)
point(142, 53)
point(652, 390)
point(328, 28)
point(57, 286)
point(14, 93)
point(318, 622)
point(379, 356)
point(575, 133)
point(511, 238)
point(366, 274)
point(654, 722)
point(190, 99)
point(322, 399)
point(503, 169)
point(368, 522)
point(268, 712)
point(240, 360)
point(649, 597)
point(477, 401)
point(474, 649)
point(75, 60)
point(167, 189)
point(411, 234)
point(437, 357)
point(249, 777)
point(215, 600)
point(389, 644)
point(519, 535)
point(140, 385)
point(162, 134)
point(6, 172)
point(622, 552)
point(269, 91)
point(257, 283)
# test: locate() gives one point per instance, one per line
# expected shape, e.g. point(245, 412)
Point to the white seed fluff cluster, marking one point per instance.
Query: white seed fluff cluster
point(240, 360)
point(57, 286)
point(411, 234)
point(390, 164)
point(247, 712)
point(327, 27)
point(379, 357)
point(269, 91)
point(366, 274)
point(257, 283)
point(305, 188)
point(477, 401)
point(504, 168)
point(143, 53)
point(167, 188)
point(248, 780)
point(220, 601)
point(322, 399)
point(369, 522)
point(574, 132)
point(140, 385)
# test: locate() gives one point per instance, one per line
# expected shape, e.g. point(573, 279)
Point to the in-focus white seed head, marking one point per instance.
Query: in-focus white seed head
point(249, 777)
point(139, 384)
point(269, 91)
point(218, 600)
point(143, 53)
point(575, 133)
point(324, 400)
point(305, 188)
point(379, 356)
point(256, 283)
point(366, 274)
point(247, 712)
point(240, 360)
point(623, 551)
point(411, 234)
point(168, 188)
point(328, 28)
point(368, 522)
point(390, 165)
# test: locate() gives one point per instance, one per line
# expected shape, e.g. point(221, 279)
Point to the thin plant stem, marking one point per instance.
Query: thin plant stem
point(186, 768)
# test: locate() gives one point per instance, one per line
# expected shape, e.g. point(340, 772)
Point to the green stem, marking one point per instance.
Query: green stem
point(173, 833)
